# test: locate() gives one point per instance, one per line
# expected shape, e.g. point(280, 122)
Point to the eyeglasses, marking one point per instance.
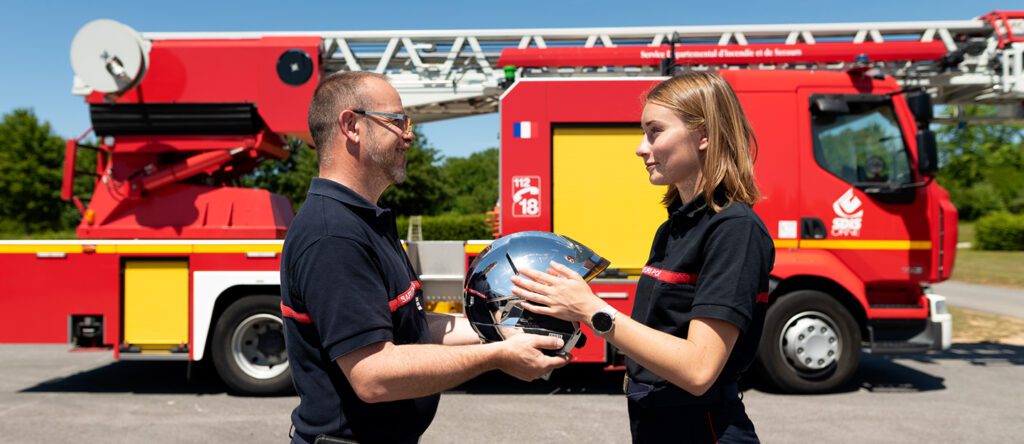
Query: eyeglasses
point(400, 121)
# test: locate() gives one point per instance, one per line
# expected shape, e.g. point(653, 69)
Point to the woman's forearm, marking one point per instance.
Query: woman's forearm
point(693, 364)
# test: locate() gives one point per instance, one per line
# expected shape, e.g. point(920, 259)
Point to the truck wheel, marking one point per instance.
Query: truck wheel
point(810, 344)
point(248, 347)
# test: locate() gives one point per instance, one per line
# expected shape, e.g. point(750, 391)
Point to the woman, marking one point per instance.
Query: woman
point(700, 301)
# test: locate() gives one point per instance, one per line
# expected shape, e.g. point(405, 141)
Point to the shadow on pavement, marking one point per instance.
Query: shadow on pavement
point(137, 377)
point(578, 379)
point(882, 374)
point(980, 353)
point(876, 374)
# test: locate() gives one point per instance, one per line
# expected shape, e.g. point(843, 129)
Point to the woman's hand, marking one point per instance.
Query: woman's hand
point(560, 293)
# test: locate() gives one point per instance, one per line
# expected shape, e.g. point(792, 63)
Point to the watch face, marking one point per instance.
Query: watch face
point(602, 322)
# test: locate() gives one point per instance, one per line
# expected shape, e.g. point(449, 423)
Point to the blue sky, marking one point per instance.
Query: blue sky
point(36, 36)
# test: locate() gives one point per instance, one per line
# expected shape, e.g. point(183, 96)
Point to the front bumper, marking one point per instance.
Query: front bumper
point(908, 336)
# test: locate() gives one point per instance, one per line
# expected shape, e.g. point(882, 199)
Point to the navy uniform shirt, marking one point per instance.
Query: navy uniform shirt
point(704, 265)
point(346, 283)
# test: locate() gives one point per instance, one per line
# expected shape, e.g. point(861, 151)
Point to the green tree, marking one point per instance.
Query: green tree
point(290, 177)
point(472, 181)
point(31, 168)
point(982, 166)
point(423, 191)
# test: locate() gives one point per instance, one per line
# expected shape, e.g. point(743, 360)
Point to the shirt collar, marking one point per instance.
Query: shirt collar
point(695, 206)
point(688, 210)
point(345, 195)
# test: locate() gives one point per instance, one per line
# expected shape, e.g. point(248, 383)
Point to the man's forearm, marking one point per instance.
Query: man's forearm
point(391, 372)
point(451, 329)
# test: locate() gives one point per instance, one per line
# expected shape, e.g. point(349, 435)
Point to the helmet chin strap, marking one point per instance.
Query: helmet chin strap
point(570, 343)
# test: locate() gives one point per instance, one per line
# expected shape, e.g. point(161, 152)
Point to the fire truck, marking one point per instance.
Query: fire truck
point(175, 261)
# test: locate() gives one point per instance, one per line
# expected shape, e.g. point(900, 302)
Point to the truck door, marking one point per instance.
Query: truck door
point(858, 193)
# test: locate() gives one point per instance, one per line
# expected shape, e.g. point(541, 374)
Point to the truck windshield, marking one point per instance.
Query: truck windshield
point(864, 146)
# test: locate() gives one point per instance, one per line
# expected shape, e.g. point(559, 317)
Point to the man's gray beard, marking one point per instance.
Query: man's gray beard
point(388, 161)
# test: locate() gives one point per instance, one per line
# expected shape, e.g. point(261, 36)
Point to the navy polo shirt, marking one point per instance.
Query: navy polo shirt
point(705, 264)
point(347, 283)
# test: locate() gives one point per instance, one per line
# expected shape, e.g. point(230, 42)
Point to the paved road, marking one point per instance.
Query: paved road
point(970, 394)
point(1004, 301)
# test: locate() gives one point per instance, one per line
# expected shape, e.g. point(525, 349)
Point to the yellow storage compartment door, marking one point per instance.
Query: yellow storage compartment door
point(601, 193)
point(156, 303)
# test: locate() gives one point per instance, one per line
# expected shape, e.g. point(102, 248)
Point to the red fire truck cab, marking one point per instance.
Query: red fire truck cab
point(845, 167)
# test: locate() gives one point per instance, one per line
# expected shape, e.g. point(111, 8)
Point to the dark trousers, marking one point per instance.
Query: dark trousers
point(714, 423)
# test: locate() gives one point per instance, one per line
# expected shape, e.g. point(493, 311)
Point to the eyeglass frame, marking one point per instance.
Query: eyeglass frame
point(392, 116)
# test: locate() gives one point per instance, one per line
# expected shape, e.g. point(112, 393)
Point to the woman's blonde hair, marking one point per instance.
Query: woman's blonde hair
point(705, 102)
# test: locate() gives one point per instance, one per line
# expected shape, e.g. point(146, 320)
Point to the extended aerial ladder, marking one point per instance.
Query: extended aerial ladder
point(453, 73)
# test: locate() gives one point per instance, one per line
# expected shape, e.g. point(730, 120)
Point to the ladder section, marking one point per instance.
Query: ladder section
point(452, 73)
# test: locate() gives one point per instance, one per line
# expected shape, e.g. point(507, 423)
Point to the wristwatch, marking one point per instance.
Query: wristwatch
point(604, 320)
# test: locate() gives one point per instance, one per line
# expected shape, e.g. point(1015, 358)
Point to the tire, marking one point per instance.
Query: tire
point(248, 347)
point(810, 344)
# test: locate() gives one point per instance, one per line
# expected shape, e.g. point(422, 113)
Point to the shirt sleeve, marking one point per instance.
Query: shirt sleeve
point(735, 261)
point(345, 295)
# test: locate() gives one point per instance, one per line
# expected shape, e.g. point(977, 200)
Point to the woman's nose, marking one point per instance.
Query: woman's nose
point(644, 148)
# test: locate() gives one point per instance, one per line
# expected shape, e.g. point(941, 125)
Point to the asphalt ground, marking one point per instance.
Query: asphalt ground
point(996, 300)
point(972, 393)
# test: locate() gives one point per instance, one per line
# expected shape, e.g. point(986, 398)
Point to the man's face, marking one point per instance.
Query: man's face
point(386, 141)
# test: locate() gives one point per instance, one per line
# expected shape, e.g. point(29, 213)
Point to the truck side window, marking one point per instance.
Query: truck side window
point(864, 146)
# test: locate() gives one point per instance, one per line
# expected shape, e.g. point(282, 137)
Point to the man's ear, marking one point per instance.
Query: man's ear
point(349, 125)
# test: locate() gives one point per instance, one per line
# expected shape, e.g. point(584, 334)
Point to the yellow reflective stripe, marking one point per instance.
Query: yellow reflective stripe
point(786, 243)
point(227, 248)
point(33, 249)
point(829, 244)
point(475, 248)
point(154, 248)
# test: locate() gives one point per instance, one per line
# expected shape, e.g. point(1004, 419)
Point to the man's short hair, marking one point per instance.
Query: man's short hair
point(336, 93)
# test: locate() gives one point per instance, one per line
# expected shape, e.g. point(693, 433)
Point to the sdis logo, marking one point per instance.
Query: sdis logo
point(849, 215)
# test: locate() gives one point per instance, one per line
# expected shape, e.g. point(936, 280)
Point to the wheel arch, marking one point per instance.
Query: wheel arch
point(214, 291)
point(820, 270)
point(783, 287)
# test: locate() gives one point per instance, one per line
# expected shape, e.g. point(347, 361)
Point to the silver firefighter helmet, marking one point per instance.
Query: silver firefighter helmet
point(492, 309)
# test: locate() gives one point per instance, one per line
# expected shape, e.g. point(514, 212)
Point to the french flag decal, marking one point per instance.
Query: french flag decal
point(521, 130)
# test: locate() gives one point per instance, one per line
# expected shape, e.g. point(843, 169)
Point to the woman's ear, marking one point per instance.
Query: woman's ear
point(702, 144)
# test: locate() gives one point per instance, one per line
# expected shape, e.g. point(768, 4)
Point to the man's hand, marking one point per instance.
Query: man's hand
point(522, 357)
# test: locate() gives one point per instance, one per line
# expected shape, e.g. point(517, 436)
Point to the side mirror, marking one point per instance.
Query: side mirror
point(920, 104)
point(927, 152)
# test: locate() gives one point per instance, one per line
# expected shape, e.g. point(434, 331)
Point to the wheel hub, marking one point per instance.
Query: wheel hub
point(257, 346)
point(810, 342)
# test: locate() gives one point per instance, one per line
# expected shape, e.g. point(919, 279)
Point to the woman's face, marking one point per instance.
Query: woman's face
point(670, 151)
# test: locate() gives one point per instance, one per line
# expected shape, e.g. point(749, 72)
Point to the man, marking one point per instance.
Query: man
point(367, 361)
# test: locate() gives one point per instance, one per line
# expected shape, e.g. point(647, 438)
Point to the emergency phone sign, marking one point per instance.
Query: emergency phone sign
point(525, 196)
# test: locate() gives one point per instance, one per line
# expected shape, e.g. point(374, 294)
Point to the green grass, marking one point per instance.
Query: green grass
point(999, 268)
point(971, 326)
point(48, 235)
point(966, 232)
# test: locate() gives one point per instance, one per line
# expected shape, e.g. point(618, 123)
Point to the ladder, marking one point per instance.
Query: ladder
point(453, 73)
